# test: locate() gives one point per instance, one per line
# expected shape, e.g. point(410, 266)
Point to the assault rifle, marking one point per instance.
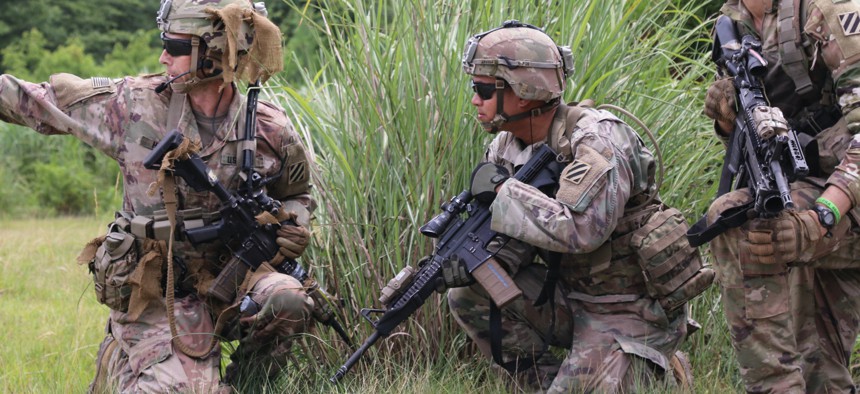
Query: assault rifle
point(459, 238)
point(251, 243)
point(765, 164)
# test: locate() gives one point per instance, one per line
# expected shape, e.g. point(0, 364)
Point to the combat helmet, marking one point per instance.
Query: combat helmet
point(236, 33)
point(523, 57)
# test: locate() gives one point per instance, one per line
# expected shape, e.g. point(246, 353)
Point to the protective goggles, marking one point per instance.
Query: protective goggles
point(175, 46)
point(486, 90)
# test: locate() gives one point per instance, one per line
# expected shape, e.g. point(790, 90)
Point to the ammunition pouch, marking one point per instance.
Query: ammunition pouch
point(115, 260)
point(673, 269)
point(157, 225)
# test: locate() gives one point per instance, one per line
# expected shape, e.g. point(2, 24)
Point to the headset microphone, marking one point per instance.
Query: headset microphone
point(160, 88)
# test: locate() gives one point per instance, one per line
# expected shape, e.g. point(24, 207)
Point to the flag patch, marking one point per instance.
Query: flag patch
point(850, 22)
point(577, 171)
point(297, 172)
point(100, 82)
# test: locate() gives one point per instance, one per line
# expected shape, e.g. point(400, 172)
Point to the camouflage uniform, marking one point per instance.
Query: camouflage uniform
point(793, 325)
point(123, 119)
point(618, 336)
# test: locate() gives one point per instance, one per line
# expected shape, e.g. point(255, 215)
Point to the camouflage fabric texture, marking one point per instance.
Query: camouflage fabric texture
point(123, 119)
point(793, 325)
point(618, 337)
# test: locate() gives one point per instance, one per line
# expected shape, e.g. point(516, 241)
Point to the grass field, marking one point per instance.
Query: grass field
point(50, 321)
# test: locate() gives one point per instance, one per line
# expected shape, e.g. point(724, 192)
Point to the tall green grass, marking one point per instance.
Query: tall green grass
point(389, 120)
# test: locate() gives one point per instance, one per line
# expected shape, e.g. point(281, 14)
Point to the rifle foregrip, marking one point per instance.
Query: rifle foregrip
point(497, 282)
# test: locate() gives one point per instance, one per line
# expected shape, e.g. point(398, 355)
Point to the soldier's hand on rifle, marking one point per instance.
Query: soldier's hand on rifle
point(792, 236)
point(454, 274)
point(277, 317)
point(292, 239)
point(720, 104)
point(486, 179)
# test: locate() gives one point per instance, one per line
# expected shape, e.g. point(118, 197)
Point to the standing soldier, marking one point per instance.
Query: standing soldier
point(597, 229)
point(208, 45)
point(791, 284)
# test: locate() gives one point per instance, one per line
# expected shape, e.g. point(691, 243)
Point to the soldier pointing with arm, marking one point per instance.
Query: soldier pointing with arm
point(208, 46)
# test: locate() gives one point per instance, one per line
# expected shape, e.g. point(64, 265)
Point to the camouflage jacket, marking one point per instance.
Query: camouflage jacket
point(125, 118)
point(608, 168)
point(828, 41)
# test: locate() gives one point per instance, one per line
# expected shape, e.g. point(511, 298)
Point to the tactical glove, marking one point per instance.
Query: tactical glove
point(485, 179)
point(720, 102)
point(454, 274)
point(292, 240)
point(790, 237)
point(283, 314)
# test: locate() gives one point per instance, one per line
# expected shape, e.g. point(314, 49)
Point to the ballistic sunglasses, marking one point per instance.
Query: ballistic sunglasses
point(485, 90)
point(176, 46)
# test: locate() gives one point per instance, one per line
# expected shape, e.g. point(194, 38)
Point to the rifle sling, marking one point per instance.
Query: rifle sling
point(547, 292)
point(700, 233)
point(515, 365)
point(575, 111)
point(177, 101)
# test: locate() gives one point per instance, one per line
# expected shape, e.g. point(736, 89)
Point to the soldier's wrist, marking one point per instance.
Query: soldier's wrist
point(831, 206)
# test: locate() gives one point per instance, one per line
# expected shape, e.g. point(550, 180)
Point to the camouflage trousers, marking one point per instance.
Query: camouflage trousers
point(792, 325)
point(138, 356)
point(613, 347)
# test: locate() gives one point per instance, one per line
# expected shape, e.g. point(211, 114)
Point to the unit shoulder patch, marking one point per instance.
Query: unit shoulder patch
point(577, 171)
point(850, 22)
point(297, 172)
point(582, 179)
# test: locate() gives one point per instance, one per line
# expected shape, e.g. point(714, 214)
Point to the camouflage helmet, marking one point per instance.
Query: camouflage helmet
point(237, 33)
point(197, 17)
point(522, 55)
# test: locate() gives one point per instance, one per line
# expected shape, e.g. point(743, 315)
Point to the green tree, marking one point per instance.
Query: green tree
point(22, 57)
point(98, 23)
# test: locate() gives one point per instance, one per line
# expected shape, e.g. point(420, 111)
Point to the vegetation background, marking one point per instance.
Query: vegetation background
point(376, 89)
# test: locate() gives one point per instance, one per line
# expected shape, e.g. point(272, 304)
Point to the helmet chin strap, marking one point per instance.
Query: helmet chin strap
point(195, 81)
point(501, 117)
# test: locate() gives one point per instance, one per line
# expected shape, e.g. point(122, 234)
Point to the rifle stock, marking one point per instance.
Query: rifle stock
point(465, 240)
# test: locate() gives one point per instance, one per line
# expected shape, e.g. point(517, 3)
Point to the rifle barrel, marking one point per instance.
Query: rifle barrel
point(355, 356)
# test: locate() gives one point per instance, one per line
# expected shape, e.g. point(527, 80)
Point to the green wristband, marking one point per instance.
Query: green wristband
point(829, 204)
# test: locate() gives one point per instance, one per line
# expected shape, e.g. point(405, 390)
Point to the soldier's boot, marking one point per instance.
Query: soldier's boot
point(683, 371)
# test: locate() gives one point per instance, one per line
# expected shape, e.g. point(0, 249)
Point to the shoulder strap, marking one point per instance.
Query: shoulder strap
point(573, 113)
point(790, 48)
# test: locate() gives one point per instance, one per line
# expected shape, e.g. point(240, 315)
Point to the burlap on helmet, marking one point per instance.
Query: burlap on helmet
point(264, 57)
